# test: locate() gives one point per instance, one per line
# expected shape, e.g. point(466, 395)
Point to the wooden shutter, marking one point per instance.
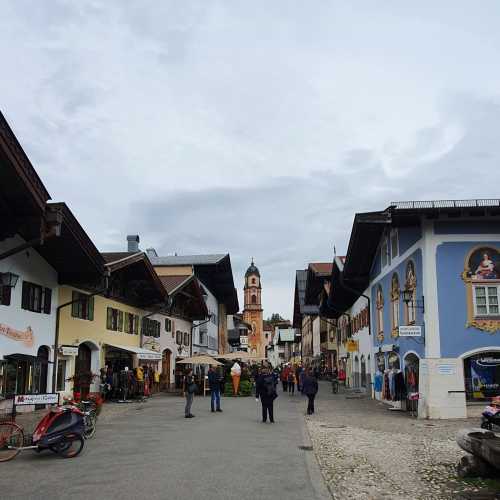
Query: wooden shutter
point(172, 328)
point(47, 300)
point(74, 306)
point(90, 308)
point(5, 295)
point(26, 295)
point(109, 319)
point(120, 321)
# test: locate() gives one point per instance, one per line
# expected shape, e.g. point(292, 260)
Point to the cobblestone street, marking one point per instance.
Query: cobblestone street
point(366, 451)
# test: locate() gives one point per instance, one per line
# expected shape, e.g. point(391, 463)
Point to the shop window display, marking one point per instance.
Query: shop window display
point(482, 376)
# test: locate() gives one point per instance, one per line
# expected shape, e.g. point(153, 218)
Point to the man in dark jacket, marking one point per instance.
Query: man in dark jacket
point(214, 386)
point(310, 389)
point(266, 391)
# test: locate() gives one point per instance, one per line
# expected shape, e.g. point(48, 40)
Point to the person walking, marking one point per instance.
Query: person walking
point(188, 389)
point(291, 382)
point(266, 391)
point(236, 374)
point(214, 386)
point(298, 377)
point(284, 378)
point(310, 389)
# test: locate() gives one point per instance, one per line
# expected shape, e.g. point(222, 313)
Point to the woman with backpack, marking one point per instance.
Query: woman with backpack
point(266, 391)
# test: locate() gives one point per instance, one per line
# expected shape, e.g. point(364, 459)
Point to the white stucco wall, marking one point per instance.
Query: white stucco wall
point(29, 266)
point(212, 328)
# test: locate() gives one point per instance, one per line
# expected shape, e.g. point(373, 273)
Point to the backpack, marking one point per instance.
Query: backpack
point(269, 385)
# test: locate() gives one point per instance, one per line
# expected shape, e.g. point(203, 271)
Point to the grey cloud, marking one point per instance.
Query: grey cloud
point(191, 122)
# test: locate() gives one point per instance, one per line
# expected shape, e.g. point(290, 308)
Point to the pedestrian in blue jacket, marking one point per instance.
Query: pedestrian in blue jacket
point(214, 386)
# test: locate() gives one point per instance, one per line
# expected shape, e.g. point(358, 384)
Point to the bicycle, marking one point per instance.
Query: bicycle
point(60, 431)
point(89, 410)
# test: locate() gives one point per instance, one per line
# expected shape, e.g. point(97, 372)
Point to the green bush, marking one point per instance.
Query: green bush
point(246, 388)
point(228, 389)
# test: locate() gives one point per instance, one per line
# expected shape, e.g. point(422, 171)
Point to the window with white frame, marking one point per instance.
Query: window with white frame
point(380, 311)
point(486, 300)
point(395, 302)
point(411, 285)
point(385, 256)
point(394, 243)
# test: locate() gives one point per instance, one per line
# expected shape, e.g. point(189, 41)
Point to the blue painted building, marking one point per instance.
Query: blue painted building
point(431, 274)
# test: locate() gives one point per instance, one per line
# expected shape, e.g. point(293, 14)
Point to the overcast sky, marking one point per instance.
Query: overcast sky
point(251, 127)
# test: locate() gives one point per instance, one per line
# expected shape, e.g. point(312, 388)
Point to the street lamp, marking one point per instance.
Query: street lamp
point(408, 299)
point(9, 279)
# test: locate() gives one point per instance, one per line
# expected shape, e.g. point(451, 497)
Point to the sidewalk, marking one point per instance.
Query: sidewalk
point(366, 451)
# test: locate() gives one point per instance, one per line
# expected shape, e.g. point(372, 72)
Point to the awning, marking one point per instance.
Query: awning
point(141, 353)
point(26, 357)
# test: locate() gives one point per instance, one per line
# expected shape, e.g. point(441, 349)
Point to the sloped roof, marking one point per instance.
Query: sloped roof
point(187, 260)
point(213, 270)
point(321, 267)
point(171, 283)
point(115, 256)
point(299, 306)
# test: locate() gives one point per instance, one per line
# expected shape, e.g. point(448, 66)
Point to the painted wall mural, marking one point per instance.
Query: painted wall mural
point(26, 336)
point(481, 276)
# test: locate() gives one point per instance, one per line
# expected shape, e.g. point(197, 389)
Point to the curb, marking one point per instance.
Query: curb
point(322, 490)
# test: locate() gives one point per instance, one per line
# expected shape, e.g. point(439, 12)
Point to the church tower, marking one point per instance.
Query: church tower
point(252, 313)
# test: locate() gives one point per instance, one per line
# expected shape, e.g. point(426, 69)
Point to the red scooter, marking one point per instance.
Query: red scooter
point(60, 430)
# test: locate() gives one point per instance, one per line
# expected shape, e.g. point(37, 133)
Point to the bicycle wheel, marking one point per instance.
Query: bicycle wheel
point(11, 440)
point(90, 426)
point(70, 446)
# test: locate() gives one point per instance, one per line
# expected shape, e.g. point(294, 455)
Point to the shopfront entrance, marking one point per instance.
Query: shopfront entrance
point(83, 372)
point(482, 376)
point(24, 374)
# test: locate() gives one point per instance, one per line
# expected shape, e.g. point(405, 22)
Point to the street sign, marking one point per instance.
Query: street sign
point(352, 346)
point(68, 350)
point(36, 399)
point(410, 331)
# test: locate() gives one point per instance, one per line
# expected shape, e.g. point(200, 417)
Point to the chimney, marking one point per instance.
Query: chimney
point(133, 242)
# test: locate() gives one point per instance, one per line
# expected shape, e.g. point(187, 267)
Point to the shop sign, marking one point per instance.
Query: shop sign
point(410, 331)
point(388, 348)
point(352, 346)
point(149, 355)
point(446, 369)
point(152, 344)
point(36, 399)
point(68, 350)
point(26, 337)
